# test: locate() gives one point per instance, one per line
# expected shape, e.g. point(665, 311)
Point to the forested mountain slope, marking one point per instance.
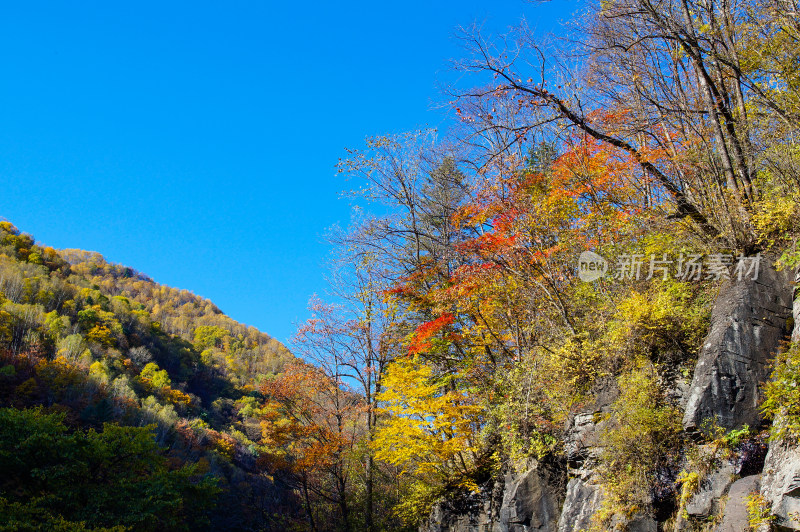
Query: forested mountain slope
point(180, 313)
point(126, 403)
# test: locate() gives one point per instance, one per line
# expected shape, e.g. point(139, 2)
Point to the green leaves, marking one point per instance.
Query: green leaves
point(115, 478)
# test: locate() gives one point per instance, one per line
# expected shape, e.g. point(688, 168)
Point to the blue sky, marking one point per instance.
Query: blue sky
point(196, 141)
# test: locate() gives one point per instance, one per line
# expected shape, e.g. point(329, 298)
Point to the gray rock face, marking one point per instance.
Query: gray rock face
point(583, 429)
point(706, 501)
point(582, 447)
point(748, 322)
point(583, 500)
point(736, 518)
point(522, 502)
point(530, 502)
point(465, 512)
point(780, 485)
point(780, 479)
point(642, 523)
point(796, 313)
point(715, 494)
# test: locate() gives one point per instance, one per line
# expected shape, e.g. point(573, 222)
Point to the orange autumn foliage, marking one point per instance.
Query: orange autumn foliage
point(301, 429)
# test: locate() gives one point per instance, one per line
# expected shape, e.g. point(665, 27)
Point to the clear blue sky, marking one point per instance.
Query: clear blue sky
point(196, 141)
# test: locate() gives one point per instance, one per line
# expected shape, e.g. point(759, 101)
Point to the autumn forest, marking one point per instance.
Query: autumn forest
point(460, 347)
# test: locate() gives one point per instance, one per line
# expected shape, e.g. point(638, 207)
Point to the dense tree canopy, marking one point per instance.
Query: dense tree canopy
point(658, 135)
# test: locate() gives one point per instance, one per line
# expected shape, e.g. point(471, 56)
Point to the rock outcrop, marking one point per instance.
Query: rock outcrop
point(464, 512)
point(748, 322)
point(736, 517)
point(531, 500)
point(709, 498)
point(715, 492)
point(582, 501)
point(780, 485)
point(582, 440)
point(780, 480)
point(528, 498)
point(582, 447)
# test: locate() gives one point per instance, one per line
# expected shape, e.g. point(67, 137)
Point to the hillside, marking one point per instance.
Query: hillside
point(250, 352)
point(125, 403)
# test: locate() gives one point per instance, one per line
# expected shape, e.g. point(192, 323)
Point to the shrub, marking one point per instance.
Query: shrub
point(644, 433)
point(782, 396)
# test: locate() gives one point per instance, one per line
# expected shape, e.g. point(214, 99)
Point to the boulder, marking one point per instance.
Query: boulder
point(707, 501)
point(748, 322)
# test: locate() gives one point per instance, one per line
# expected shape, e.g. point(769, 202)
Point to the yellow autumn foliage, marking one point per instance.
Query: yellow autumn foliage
point(429, 428)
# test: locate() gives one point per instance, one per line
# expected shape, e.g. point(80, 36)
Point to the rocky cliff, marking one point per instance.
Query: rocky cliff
point(750, 322)
point(527, 497)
